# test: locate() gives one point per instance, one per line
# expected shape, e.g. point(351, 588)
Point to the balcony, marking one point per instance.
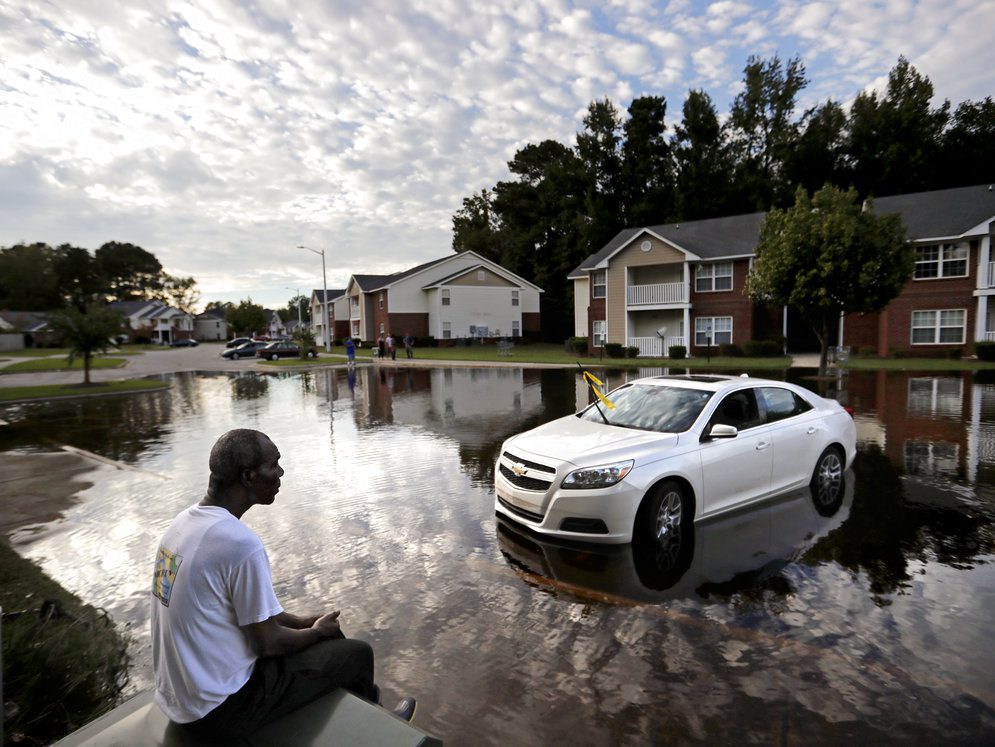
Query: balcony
point(658, 294)
point(655, 347)
point(991, 275)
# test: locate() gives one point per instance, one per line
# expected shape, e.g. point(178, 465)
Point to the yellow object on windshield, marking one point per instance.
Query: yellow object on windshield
point(595, 382)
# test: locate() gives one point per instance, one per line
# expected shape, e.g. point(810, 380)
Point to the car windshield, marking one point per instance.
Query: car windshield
point(650, 408)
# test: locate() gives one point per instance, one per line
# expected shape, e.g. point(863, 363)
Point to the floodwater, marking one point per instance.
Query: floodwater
point(868, 620)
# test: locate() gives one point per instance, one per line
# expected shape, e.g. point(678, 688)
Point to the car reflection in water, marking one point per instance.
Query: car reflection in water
point(733, 552)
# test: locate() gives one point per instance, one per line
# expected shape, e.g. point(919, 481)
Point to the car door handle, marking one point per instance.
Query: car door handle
point(761, 445)
point(812, 429)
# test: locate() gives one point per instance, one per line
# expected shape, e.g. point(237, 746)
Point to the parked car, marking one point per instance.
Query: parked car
point(237, 341)
point(187, 342)
point(672, 449)
point(283, 349)
point(245, 350)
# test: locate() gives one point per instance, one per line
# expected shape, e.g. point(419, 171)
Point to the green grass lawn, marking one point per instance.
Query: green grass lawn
point(37, 365)
point(917, 364)
point(48, 391)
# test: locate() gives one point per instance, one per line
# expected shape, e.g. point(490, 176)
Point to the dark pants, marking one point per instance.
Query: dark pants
point(282, 684)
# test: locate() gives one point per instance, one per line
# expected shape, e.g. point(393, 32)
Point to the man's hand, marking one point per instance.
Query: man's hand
point(328, 624)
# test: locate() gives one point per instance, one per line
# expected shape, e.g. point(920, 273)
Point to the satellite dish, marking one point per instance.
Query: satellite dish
point(662, 332)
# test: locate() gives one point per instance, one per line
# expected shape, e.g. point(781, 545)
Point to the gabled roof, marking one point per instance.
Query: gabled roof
point(318, 294)
point(215, 312)
point(507, 275)
point(944, 213)
point(26, 321)
point(130, 308)
point(713, 238)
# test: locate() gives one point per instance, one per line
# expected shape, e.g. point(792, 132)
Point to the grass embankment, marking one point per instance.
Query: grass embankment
point(44, 365)
point(917, 364)
point(50, 391)
point(64, 663)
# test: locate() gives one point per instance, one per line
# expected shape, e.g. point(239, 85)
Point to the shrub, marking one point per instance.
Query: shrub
point(426, 342)
point(578, 345)
point(613, 350)
point(867, 351)
point(955, 354)
point(632, 352)
point(677, 351)
point(985, 351)
point(730, 350)
point(762, 349)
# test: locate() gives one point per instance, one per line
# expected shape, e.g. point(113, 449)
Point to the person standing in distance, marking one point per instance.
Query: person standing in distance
point(227, 658)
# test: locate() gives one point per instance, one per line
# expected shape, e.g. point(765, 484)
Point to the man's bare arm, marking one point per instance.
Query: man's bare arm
point(271, 638)
point(289, 620)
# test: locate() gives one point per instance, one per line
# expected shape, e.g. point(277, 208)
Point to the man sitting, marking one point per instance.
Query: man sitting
point(227, 657)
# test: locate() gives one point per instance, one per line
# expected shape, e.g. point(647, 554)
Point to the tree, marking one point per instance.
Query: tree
point(246, 318)
point(87, 331)
point(131, 272)
point(893, 143)
point(27, 278)
point(702, 161)
point(298, 305)
point(647, 181)
point(761, 130)
point(78, 276)
point(968, 149)
point(819, 157)
point(475, 226)
point(825, 256)
point(179, 292)
point(599, 148)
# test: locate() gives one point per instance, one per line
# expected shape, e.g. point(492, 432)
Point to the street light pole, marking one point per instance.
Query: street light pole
point(300, 319)
point(324, 299)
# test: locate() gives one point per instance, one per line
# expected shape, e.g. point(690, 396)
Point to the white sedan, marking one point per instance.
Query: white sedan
point(671, 449)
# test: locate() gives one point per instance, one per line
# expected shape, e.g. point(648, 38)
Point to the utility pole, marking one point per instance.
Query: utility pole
point(324, 297)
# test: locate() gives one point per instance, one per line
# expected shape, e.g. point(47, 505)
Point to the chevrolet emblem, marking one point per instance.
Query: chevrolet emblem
point(519, 470)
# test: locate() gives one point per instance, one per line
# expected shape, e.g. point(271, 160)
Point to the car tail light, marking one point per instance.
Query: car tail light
point(849, 410)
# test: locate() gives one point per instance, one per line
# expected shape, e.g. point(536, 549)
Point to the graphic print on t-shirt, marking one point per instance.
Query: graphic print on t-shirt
point(167, 563)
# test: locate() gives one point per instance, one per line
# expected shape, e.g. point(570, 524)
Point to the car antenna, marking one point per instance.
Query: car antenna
point(597, 395)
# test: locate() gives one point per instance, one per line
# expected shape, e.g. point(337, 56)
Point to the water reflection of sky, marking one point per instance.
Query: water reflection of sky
point(872, 624)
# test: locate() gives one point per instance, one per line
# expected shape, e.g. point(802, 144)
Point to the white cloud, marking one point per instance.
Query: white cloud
point(221, 134)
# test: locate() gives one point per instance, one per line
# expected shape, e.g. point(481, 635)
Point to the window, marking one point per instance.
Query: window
point(716, 328)
point(599, 330)
point(713, 277)
point(381, 328)
point(598, 284)
point(515, 330)
point(447, 330)
point(941, 261)
point(481, 275)
point(941, 327)
point(739, 410)
point(381, 300)
point(936, 396)
point(445, 296)
point(514, 298)
point(782, 403)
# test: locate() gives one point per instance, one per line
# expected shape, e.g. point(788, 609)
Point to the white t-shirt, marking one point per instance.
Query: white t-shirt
point(211, 577)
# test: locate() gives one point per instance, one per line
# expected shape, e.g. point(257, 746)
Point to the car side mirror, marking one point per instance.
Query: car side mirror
point(720, 430)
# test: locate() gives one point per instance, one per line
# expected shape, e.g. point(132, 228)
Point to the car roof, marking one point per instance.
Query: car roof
point(706, 382)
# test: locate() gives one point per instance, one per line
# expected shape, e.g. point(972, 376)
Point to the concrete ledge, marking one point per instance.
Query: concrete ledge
point(339, 718)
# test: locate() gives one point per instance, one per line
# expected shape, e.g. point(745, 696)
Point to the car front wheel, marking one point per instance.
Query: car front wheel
point(827, 476)
point(311, 354)
point(274, 357)
point(234, 356)
point(667, 511)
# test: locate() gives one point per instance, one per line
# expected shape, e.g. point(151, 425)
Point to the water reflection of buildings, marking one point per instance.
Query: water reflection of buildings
point(928, 424)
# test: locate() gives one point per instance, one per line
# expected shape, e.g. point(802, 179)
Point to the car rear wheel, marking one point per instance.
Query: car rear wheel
point(827, 477)
point(234, 356)
point(311, 354)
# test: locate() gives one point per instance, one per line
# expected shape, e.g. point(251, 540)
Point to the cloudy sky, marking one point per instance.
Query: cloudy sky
point(219, 134)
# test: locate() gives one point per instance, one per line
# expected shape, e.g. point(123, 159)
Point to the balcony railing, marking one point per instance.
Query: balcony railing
point(656, 294)
point(989, 336)
point(655, 347)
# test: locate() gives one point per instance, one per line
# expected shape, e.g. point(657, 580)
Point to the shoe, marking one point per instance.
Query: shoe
point(405, 709)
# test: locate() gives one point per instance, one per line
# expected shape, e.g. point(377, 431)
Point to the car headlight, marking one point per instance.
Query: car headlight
point(597, 477)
